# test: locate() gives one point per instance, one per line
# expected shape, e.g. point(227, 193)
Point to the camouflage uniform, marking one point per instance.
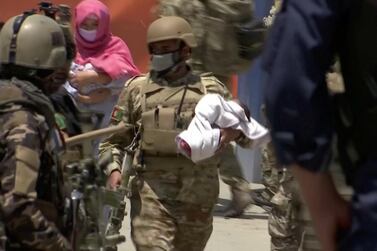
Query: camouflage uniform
point(194, 12)
point(288, 216)
point(281, 190)
point(31, 195)
point(172, 198)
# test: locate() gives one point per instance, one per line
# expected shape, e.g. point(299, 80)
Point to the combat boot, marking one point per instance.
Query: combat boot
point(240, 201)
point(261, 200)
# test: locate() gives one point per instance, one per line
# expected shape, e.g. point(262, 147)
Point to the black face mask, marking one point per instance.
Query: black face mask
point(52, 82)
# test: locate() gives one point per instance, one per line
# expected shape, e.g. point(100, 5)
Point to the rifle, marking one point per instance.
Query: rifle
point(116, 214)
point(89, 193)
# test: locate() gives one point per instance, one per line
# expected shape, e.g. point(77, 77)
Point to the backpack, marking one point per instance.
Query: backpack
point(233, 38)
point(229, 37)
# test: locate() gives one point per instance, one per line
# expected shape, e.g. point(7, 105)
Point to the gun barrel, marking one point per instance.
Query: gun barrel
point(75, 140)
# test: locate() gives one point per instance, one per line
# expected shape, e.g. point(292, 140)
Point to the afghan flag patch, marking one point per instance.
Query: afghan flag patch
point(117, 114)
point(60, 121)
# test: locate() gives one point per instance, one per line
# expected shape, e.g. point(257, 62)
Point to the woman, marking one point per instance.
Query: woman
point(103, 62)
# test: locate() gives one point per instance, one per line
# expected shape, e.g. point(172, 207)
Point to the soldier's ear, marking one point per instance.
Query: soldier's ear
point(186, 52)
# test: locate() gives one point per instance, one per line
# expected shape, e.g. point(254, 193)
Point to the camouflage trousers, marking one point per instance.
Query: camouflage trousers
point(172, 204)
point(282, 191)
point(231, 172)
point(270, 173)
point(283, 222)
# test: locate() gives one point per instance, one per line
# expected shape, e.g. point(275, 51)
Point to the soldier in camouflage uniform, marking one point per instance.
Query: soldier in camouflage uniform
point(195, 12)
point(32, 202)
point(285, 224)
point(281, 190)
point(172, 198)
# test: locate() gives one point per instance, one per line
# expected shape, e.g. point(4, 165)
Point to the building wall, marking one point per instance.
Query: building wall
point(250, 90)
point(129, 20)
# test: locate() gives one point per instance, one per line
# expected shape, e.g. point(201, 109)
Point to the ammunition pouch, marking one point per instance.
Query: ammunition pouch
point(159, 131)
point(250, 39)
point(233, 38)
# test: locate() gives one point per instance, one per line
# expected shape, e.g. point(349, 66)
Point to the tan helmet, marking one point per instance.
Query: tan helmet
point(171, 27)
point(34, 41)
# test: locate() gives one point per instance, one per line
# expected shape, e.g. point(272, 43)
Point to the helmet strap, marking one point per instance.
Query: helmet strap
point(16, 28)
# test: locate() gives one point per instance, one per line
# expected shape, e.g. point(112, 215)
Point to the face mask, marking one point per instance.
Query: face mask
point(162, 62)
point(52, 83)
point(88, 35)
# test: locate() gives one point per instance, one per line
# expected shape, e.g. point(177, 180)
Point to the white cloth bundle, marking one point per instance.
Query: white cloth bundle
point(212, 113)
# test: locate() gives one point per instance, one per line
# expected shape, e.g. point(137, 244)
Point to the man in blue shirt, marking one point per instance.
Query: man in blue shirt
point(306, 36)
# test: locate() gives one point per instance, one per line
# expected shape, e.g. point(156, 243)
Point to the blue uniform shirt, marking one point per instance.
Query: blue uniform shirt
point(301, 46)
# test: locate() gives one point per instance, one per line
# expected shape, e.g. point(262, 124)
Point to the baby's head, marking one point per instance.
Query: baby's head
point(244, 107)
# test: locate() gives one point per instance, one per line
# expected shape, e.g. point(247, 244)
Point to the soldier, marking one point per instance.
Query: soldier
point(172, 198)
point(305, 118)
point(281, 189)
point(199, 14)
point(32, 50)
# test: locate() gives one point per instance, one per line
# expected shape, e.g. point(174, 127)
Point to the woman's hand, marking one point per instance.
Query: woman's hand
point(82, 78)
point(94, 97)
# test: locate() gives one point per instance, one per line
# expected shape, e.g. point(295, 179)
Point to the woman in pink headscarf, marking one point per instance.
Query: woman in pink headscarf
point(103, 62)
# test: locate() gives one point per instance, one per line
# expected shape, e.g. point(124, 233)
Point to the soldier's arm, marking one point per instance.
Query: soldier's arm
point(214, 86)
point(127, 111)
point(19, 167)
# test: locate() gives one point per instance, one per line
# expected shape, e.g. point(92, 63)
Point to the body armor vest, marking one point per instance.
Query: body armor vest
point(166, 111)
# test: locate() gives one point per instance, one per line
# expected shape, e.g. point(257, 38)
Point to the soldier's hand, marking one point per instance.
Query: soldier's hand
point(114, 179)
point(226, 136)
point(63, 244)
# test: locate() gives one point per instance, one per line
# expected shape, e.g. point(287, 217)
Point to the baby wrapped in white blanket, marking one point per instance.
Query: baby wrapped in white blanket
point(201, 139)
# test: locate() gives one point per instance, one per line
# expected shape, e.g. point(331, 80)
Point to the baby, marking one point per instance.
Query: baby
point(202, 138)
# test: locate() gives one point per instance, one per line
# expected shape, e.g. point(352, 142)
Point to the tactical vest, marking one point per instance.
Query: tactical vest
point(166, 111)
point(357, 107)
point(49, 185)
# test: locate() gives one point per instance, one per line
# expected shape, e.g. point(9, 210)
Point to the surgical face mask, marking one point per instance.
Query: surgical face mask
point(162, 62)
point(88, 35)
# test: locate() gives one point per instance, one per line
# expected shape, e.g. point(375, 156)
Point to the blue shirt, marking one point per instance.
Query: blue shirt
point(301, 47)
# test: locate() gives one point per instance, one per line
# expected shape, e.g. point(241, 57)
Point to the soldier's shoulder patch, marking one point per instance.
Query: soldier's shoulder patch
point(136, 80)
point(117, 114)
point(60, 121)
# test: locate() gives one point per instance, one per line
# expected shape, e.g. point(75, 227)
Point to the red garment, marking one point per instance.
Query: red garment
point(108, 53)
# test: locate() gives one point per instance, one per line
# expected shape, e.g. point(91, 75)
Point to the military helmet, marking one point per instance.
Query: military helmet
point(171, 27)
point(34, 41)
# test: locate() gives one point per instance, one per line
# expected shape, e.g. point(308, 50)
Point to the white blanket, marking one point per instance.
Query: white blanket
point(212, 113)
